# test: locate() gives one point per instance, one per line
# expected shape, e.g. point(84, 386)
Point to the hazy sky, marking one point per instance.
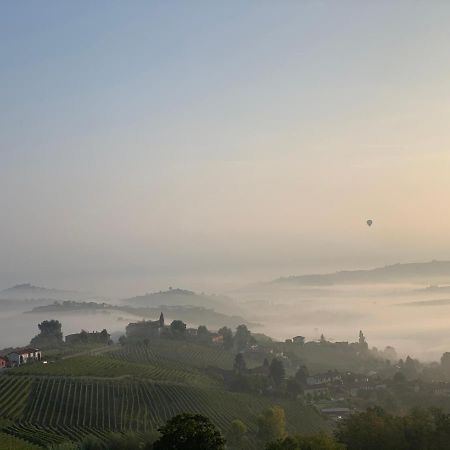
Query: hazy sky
point(191, 143)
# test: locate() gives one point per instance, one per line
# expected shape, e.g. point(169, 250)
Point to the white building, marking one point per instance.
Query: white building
point(22, 356)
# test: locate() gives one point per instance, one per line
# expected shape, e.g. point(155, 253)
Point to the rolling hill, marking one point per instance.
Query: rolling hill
point(426, 273)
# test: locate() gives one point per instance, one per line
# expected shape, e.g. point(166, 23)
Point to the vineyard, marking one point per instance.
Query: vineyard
point(181, 353)
point(106, 366)
point(131, 387)
point(51, 410)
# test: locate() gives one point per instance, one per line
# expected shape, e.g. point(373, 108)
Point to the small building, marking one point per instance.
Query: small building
point(192, 332)
point(3, 362)
point(324, 378)
point(23, 356)
point(441, 389)
point(318, 391)
point(298, 340)
point(217, 338)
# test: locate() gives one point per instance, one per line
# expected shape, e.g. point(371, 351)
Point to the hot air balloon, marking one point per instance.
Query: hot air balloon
point(369, 222)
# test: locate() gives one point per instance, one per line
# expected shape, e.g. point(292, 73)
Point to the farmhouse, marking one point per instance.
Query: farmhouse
point(3, 362)
point(85, 337)
point(22, 356)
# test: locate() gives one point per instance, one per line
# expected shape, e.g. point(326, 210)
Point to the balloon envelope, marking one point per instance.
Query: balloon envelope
point(369, 222)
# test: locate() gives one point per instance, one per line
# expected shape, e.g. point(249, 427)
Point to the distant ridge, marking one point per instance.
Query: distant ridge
point(28, 291)
point(426, 272)
point(183, 297)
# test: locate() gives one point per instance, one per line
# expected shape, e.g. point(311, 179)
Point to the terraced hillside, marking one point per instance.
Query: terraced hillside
point(130, 388)
point(59, 408)
point(109, 366)
point(181, 353)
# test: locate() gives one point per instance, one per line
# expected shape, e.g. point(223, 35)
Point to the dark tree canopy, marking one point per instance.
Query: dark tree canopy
point(189, 432)
point(239, 364)
point(314, 442)
point(271, 425)
point(227, 334)
point(277, 372)
point(242, 337)
point(51, 328)
point(178, 327)
point(302, 375)
point(50, 334)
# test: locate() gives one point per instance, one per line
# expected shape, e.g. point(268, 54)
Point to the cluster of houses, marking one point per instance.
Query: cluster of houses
point(21, 356)
point(334, 384)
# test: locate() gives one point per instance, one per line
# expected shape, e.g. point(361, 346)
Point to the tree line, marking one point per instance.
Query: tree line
point(373, 429)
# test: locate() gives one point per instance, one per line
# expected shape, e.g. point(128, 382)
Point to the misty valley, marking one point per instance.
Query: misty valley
point(224, 225)
point(321, 349)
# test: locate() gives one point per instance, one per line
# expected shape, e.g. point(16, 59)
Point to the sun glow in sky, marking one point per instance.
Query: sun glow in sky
point(147, 143)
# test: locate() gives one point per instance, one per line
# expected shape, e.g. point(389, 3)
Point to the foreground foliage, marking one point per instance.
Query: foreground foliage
point(189, 432)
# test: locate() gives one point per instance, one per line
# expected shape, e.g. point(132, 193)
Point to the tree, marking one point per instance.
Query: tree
point(242, 338)
point(203, 333)
point(371, 430)
point(277, 371)
point(302, 375)
point(189, 432)
point(104, 336)
point(314, 442)
point(271, 424)
point(239, 365)
point(227, 337)
point(294, 387)
point(399, 378)
point(445, 361)
point(178, 328)
point(50, 334)
point(236, 436)
point(91, 442)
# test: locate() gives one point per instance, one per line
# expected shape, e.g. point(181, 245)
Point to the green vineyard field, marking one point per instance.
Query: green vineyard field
point(111, 366)
point(54, 409)
point(180, 353)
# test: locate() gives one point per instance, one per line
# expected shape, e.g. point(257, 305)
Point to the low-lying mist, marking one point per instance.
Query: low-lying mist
point(408, 311)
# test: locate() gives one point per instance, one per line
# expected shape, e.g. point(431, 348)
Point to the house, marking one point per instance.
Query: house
point(85, 337)
point(192, 332)
point(441, 389)
point(216, 338)
point(298, 340)
point(3, 362)
point(318, 391)
point(324, 378)
point(146, 328)
point(22, 356)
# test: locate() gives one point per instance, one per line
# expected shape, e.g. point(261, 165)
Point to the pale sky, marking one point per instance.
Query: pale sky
point(205, 144)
